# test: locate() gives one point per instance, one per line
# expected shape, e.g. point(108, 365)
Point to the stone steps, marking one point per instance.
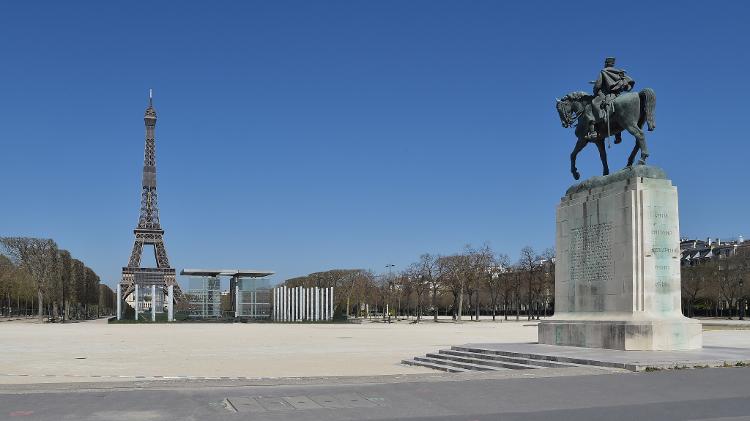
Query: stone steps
point(461, 359)
point(434, 365)
point(502, 359)
point(479, 360)
point(456, 363)
point(570, 361)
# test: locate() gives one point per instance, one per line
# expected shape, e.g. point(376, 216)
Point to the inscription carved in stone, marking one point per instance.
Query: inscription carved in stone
point(591, 253)
point(664, 247)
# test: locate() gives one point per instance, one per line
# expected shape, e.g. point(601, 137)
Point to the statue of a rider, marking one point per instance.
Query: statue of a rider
point(610, 83)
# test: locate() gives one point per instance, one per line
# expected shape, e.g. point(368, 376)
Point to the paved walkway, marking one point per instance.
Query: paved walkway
point(710, 394)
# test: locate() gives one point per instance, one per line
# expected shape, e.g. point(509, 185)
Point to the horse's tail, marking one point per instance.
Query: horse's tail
point(648, 105)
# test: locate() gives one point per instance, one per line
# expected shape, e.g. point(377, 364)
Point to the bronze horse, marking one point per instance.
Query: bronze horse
point(629, 111)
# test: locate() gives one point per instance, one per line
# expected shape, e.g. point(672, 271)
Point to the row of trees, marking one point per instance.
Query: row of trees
point(479, 281)
point(472, 282)
point(37, 276)
point(718, 287)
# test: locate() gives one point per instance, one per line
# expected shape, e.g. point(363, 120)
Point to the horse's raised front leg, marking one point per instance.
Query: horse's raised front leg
point(603, 156)
point(579, 145)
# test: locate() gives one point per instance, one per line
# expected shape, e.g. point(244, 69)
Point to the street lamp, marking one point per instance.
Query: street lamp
point(390, 278)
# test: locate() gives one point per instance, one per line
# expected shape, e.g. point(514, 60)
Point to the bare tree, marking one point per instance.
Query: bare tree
point(424, 273)
point(480, 261)
point(38, 257)
point(346, 287)
point(515, 287)
point(547, 291)
point(729, 275)
point(456, 267)
point(65, 276)
point(494, 281)
point(8, 285)
point(529, 264)
point(693, 284)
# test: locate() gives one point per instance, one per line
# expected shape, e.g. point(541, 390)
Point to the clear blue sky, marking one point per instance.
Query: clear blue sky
point(303, 136)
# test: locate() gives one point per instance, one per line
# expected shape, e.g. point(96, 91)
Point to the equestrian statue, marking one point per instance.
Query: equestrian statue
point(610, 110)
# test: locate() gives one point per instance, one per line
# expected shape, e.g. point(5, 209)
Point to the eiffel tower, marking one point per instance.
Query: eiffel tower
point(149, 231)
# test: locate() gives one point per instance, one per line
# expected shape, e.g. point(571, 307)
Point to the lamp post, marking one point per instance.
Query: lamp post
point(390, 277)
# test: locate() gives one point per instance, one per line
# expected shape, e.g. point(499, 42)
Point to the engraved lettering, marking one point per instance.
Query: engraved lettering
point(591, 253)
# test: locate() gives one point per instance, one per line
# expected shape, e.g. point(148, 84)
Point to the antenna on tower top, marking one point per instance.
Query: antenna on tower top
point(150, 95)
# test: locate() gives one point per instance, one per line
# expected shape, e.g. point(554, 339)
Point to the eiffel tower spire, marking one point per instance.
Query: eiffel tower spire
point(149, 230)
point(149, 219)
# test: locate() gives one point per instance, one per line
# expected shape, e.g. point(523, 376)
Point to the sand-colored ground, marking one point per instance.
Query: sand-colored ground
point(96, 351)
point(32, 352)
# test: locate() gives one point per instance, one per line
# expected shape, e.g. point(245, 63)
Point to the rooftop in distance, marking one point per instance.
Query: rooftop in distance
point(239, 273)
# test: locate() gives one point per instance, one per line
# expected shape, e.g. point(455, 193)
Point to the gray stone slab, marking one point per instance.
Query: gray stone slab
point(327, 401)
point(711, 356)
point(343, 400)
point(274, 404)
point(301, 402)
point(246, 404)
point(355, 400)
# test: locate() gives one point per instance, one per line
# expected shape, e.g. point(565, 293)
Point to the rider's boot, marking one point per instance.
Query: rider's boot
point(592, 134)
point(618, 138)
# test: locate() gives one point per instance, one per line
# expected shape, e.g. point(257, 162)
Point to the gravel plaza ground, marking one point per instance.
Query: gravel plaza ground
point(96, 351)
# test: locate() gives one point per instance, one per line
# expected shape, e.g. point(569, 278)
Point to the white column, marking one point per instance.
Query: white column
point(286, 304)
point(170, 304)
point(324, 316)
point(330, 302)
point(236, 299)
point(153, 303)
point(136, 301)
point(274, 315)
point(119, 301)
point(309, 303)
point(317, 304)
point(296, 303)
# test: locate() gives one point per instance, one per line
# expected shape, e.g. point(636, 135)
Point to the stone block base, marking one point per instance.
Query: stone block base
point(659, 335)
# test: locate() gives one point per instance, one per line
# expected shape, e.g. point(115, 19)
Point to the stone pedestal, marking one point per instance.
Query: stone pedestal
point(617, 273)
